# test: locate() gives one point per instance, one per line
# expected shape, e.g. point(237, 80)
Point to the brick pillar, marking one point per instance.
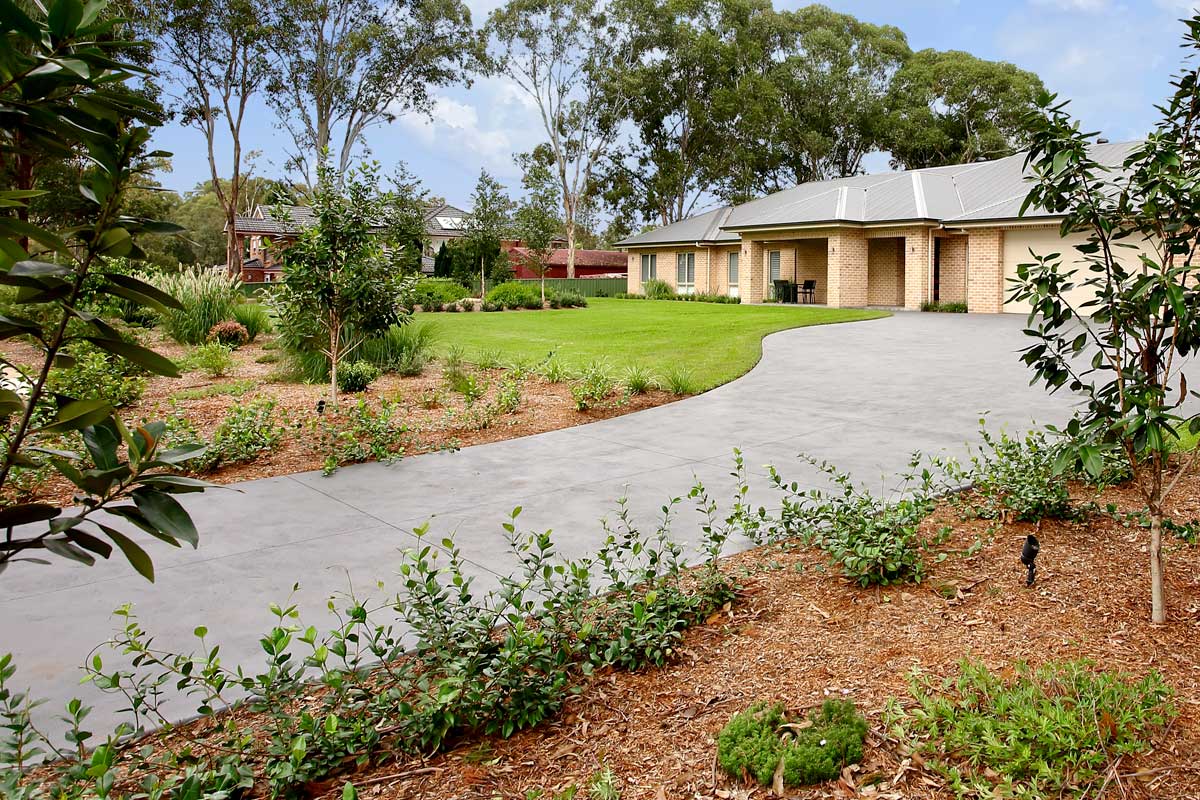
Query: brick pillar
point(847, 268)
point(916, 269)
point(633, 278)
point(985, 271)
point(752, 278)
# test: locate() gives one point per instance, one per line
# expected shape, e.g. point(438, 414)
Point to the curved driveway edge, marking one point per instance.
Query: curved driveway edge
point(863, 395)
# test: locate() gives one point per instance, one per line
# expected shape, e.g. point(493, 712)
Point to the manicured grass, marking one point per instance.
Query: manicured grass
point(715, 343)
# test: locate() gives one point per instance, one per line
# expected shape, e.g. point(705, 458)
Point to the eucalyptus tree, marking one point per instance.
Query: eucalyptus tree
point(569, 57)
point(1124, 349)
point(215, 56)
point(953, 108)
point(341, 67)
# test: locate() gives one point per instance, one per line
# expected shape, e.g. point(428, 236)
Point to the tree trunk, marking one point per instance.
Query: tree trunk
point(543, 288)
point(482, 282)
point(334, 357)
point(1158, 605)
point(571, 248)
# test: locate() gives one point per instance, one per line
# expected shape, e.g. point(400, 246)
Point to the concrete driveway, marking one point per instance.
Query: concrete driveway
point(862, 395)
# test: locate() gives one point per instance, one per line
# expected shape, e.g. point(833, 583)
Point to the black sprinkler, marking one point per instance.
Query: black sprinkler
point(1029, 557)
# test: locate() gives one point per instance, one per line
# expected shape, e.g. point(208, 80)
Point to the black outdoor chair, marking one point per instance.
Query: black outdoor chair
point(785, 291)
point(808, 292)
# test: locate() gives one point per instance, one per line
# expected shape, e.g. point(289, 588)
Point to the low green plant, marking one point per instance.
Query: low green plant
point(508, 395)
point(679, 382)
point(232, 388)
point(489, 359)
point(764, 741)
point(603, 786)
point(943, 307)
point(246, 432)
point(433, 293)
point(453, 357)
point(657, 289)
point(96, 375)
point(230, 333)
point(362, 432)
point(206, 296)
point(594, 385)
point(570, 299)
point(213, 359)
point(431, 398)
point(553, 370)
point(1017, 477)
point(254, 318)
point(1029, 732)
point(638, 379)
point(356, 376)
point(704, 297)
point(465, 383)
point(514, 295)
point(267, 358)
point(403, 349)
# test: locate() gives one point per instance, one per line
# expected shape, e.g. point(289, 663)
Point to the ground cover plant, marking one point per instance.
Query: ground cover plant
point(766, 744)
point(1051, 731)
point(716, 343)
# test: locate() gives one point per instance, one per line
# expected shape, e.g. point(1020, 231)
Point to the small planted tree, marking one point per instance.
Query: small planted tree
point(488, 223)
point(536, 221)
point(1124, 348)
point(339, 285)
point(62, 92)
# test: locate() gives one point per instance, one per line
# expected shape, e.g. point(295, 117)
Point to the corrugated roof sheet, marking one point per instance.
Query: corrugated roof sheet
point(982, 191)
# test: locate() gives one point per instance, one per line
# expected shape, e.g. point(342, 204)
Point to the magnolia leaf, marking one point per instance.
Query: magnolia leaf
point(138, 558)
point(78, 414)
point(165, 513)
point(142, 356)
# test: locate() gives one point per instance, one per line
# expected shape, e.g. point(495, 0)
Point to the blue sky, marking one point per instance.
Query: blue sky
point(1113, 60)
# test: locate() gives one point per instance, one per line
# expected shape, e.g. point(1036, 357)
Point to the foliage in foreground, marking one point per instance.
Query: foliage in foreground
point(403, 674)
point(765, 744)
point(1050, 731)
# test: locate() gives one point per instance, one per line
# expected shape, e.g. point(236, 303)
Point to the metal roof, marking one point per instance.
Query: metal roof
point(960, 193)
point(706, 228)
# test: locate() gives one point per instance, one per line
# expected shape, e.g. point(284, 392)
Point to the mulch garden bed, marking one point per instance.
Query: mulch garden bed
point(544, 407)
point(800, 635)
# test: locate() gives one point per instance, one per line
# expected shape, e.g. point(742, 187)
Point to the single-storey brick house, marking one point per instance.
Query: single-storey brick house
point(588, 263)
point(896, 239)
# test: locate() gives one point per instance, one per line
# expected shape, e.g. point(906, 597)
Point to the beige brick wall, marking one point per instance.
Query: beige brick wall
point(752, 280)
point(718, 268)
point(985, 271)
point(885, 271)
point(848, 260)
point(952, 269)
point(812, 264)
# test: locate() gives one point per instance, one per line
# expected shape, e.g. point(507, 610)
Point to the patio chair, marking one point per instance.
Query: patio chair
point(808, 292)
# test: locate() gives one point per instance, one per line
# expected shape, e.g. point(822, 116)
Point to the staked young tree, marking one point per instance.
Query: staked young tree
point(536, 221)
point(569, 58)
point(1125, 349)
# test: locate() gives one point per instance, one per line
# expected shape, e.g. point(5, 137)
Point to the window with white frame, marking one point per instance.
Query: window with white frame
point(773, 259)
point(733, 270)
point(685, 273)
point(649, 267)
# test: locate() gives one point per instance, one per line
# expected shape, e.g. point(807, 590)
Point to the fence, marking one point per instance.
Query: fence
point(588, 287)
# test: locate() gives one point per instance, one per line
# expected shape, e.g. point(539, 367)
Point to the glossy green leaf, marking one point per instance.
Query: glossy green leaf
point(165, 513)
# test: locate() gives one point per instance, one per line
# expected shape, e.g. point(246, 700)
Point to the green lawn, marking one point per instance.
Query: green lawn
point(715, 343)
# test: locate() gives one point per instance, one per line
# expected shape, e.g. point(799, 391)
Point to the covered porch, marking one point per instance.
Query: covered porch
point(856, 266)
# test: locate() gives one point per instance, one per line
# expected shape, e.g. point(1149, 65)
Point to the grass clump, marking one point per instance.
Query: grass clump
point(232, 388)
point(638, 380)
point(206, 298)
point(403, 349)
point(763, 741)
point(657, 289)
point(593, 387)
point(1025, 732)
point(944, 308)
point(489, 359)
point(254, 318)
point(679, 382)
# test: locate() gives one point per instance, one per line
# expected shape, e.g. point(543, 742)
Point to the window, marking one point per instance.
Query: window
point(773, 260)
point(649, 267)
point(685, 273)
point(733, 270)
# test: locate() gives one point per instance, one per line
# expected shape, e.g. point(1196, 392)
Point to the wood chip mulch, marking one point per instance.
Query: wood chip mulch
point(544, 407)
point(800, 634)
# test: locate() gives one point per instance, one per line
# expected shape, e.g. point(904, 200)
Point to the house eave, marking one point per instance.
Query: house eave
point(831, 223)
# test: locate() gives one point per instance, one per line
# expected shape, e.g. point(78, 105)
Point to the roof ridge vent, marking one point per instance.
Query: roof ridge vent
point(919, 195)
point(840, 213)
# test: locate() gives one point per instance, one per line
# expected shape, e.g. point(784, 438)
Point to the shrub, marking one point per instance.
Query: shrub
point(403, 349)
point(948, 308)
point(254, 318)
point(1014, 477)
point(212, 359)
point(508, 396)
point(679, 382)
point(431, 294)
point(515, 295)
point(229, 333)
point(704, 297)
point(638, 379)
point(489, 306)
point(207, 297)
point(360, 433)
point(464, 383)
point(97, 376)
point(1051, 731)
point(569, 298)
point(356, 376)
point(246, 432)
point(657, 289)
point(763, 740)
point(593, 387)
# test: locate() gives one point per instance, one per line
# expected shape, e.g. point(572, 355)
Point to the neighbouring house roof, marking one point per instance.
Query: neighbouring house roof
point(609, 259)
point(986, 191)
point(443, 219)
